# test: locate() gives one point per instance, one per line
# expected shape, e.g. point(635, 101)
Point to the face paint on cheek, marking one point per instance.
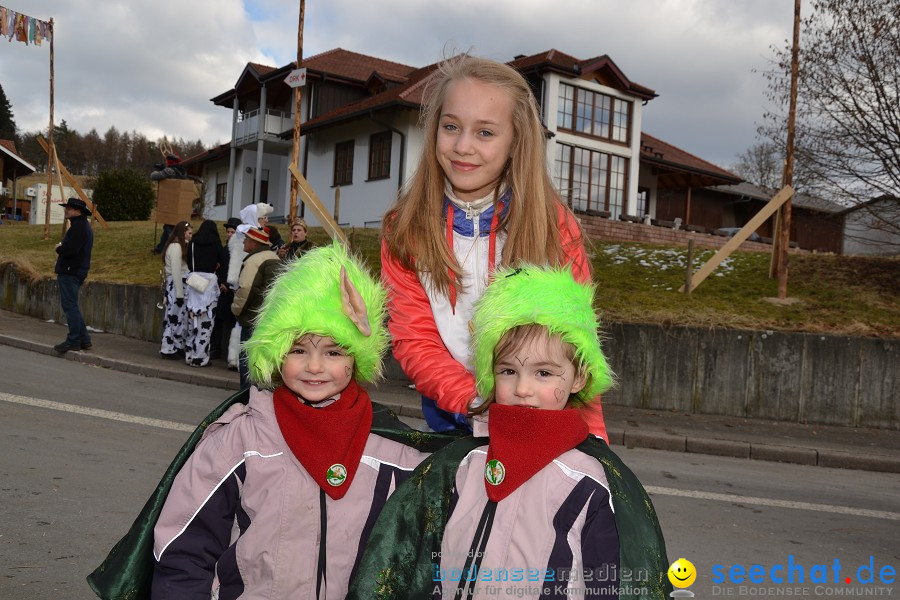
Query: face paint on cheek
point(560, 395)
point(348, 370)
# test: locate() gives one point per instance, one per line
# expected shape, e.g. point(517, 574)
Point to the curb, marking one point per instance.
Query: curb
point(629, 438)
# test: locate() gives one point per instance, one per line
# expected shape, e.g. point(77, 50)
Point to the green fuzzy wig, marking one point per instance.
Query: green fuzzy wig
point(306, 298)
point(544, 296)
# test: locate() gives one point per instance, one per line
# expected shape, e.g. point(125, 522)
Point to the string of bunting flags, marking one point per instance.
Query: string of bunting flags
point(22, 28)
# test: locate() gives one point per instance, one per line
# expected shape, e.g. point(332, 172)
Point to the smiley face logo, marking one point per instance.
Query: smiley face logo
point(682, 573)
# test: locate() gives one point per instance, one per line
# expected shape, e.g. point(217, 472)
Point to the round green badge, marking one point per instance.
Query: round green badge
point(494, 472)
point(337, 474)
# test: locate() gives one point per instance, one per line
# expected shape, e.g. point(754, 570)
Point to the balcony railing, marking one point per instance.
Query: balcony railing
point(247, 129)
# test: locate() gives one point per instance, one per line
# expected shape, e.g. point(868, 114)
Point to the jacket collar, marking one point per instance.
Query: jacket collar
point(465, 226)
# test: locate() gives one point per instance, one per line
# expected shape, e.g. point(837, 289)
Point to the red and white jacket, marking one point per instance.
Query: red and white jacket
point(430, 330)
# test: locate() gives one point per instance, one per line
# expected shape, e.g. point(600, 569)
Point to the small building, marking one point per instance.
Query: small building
point(815, 223)
point(872, 228)
point(12, 167)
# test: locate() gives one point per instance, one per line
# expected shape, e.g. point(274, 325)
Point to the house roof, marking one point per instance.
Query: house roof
point(14, 165)
point(746, 189)
point(679, 169)
point(554, 60)
point(351, 67)
point(892, 201)
point(408, 94)
point(357, 67)
point(194, 163)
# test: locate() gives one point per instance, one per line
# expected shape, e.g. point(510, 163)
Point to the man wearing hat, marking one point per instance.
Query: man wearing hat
point(71, 269)
point(258, 271)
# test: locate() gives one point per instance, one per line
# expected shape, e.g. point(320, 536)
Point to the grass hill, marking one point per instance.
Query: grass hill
point(635, 282)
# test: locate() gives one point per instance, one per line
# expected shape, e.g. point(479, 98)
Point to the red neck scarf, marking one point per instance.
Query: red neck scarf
point(328, 441)
point(523, 441)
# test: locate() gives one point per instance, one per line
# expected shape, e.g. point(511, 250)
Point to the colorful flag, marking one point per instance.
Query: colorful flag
point(23, 28)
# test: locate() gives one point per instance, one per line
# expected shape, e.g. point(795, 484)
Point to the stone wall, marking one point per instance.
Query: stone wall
point(796, 377)
point(626, 231)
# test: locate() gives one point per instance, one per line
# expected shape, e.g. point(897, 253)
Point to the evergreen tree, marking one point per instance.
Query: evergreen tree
point(8, 127)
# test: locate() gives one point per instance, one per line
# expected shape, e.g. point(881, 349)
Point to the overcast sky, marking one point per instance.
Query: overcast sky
point(153, 66)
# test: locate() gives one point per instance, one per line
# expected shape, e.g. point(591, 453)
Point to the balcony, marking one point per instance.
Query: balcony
point(247, 128)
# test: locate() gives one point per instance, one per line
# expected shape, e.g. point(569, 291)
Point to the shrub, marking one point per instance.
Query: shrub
point(123, 195)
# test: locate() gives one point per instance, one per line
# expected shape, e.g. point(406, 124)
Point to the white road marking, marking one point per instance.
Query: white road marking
point(652, 489)
point(830, 508)
point(96, 412)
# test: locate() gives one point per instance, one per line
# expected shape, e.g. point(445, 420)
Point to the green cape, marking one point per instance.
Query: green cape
point(398, 565)
point(127, 572)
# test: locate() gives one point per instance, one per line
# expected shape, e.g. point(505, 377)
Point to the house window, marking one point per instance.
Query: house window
point(221, 194)
point(380, 155)
point(590, 180)
point(643, 201)
point(343, 163)
point(593, 114)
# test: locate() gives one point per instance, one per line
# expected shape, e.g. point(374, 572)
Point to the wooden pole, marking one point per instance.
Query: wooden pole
point(51, 154)
point(687, 207)
point(298, 97)
point(75, 186)
point(689, 268)
point(310, 199)
point(337, 204)
point(62, 191)
point(737, 239)
point(788, 176)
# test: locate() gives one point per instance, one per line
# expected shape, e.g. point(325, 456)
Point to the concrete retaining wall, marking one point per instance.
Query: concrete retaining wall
point(128, 310)
point(797, 377)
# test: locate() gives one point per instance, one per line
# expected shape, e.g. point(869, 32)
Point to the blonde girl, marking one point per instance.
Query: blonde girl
point(480, 198)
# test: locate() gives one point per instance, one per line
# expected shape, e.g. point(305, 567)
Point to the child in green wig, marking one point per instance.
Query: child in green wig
point(276, 499)
point(533, 491)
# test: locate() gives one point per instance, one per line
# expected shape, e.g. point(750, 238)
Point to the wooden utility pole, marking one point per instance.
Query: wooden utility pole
point(298, 97)
point(51, 154)
point(784, 233)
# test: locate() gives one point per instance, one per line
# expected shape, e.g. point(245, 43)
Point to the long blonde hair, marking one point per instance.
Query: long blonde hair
point(414, 228)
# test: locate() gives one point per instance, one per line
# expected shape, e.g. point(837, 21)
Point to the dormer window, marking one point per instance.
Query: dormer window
point(593, 114)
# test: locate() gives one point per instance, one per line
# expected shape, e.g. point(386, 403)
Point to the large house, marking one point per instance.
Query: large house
point(361, 140)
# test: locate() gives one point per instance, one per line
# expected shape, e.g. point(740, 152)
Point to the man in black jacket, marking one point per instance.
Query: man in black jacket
point(72, 266)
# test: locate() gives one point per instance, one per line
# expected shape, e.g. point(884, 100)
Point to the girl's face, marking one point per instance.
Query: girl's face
point(474, 137)
point(188, 234)
point(298, 234)
point(536, 375)
point(316, 368)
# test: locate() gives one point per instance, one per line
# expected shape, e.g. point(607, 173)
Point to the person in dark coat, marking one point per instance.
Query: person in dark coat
point(224, 320)
point(72, 265)
point(298, 245)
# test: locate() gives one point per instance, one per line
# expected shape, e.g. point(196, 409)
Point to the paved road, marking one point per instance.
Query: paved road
point(82, 447)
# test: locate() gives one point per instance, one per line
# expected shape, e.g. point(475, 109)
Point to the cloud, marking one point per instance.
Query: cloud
point(153, 66)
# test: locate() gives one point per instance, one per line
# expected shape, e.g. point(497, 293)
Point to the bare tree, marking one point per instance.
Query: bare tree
point(848, 112)
point(760, 164)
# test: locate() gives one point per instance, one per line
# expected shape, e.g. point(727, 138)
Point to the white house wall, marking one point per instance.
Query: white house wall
point(279, 192)
point(215, 173)
point(363, 203)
